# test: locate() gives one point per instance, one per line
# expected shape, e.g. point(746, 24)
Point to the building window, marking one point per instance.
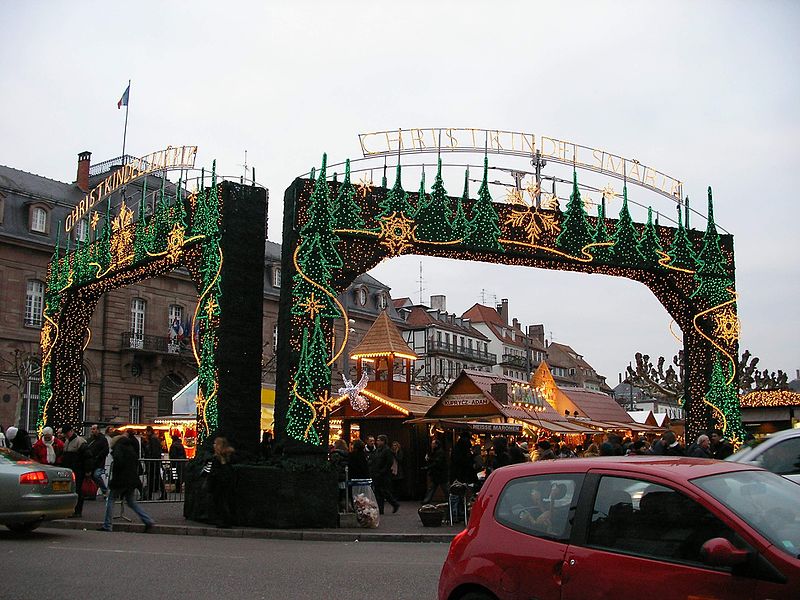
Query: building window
point(135, 409)
point(137, 322)
point(2, 206)
point(30, 397)
point(34, 301)
point(276, 277)
point(82, 230)
point(382, 302)
point(275, 339)
point(38, 219)
point(175, 327)
point(361, 295)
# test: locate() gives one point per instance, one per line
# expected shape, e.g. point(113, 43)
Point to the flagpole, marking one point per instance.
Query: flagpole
point(125, 132)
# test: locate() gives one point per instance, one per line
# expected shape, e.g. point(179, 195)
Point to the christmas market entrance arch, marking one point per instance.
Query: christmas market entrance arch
point(334, 231)
point(216, 234)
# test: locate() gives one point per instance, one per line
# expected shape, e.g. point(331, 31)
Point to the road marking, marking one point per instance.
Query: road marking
point(112, 551)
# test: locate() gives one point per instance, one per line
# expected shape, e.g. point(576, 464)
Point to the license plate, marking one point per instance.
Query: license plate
point(61, 486)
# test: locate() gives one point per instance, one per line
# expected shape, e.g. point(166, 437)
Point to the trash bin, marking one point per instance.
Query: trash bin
point(364, 503)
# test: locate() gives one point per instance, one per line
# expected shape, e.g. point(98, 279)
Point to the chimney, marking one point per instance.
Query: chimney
point(439, 302)
point(516, 323)
point(536, 332)
point(84, 158)
point(500, 392)
point(502, 310)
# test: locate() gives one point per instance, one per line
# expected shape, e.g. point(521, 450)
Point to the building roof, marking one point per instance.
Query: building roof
point(767, 398)
point(492, 319)
point(381, 339)
point(484, 314)
point(36, 185)
point(420, 317)
point(596, 406)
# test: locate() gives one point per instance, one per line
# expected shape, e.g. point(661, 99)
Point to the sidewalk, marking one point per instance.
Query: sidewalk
point(403, 526)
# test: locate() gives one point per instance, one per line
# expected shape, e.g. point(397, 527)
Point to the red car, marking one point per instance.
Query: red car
point(627, 527)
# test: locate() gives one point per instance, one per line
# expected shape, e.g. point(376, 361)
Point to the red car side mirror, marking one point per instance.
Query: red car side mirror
point(719, 552)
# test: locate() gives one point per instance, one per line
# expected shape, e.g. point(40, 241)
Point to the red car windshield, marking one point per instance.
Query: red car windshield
point(767, 502)
point(8, 456)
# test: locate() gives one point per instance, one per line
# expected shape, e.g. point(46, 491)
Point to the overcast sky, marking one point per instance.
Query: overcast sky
point(707, 92)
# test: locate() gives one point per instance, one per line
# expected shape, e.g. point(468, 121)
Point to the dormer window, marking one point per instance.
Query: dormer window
point(82, 230)
point(361, 296)
point(38, 219)
point(276, 277)
point(382, 302)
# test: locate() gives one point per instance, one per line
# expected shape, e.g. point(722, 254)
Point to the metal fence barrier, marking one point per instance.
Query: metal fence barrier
point(162, 479)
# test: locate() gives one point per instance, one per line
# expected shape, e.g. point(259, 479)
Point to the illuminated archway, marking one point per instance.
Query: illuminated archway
point(335, 231)
point(216, 234)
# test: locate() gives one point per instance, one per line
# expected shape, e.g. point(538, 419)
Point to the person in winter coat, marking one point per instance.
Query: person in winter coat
point(21, 442)
point(357, 460)
point(48, 448)
point(124, 481)
point(701, 448)
point(338, 457)
point(462, 463)
point(436, 466)
point(381, 471)
point(76, 457)
point(177, 454)
point(221, 482)
point(97, 447)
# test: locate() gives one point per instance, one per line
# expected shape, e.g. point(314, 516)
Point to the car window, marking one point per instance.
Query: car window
point(541, 506)
point(8, 456)
point(782, 458)
point(647, 519)
point(768, 503)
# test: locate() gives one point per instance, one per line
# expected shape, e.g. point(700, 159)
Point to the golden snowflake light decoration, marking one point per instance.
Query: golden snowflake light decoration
point(364, 186)
point(95, 220)
point(175, 242)
point(514, 196)
point(534, 190)
point(608, 192)
point(121, 244)
point(312, 306)
point(397, 233)
point(325, 404)
point(212, 307)
point(534, 223)
point(726, 326)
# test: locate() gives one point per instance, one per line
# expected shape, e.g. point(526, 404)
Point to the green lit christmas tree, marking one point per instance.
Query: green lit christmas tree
point(681, 253)
point(575, 230)
point(601, 236)
point(142, 242)
point(308, 298)
point(712, 275)
point(461, 225)
point(396, 200)
point(348, 211)
point(433, 218)
point(104, 247)
point(724, 396)
point(649, 245)
point(485, 227)
point(313, 379)
point(625, 251)
point(320, 218)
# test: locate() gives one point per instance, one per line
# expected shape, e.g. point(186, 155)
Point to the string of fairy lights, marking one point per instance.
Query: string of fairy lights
point(358, 226)
point(184, 230)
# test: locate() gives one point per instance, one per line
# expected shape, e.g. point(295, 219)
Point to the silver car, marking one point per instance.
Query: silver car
point(779, 453)
point(31, 493)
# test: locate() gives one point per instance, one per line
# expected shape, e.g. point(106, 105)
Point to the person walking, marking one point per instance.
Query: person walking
point(48, 449)
point(76, 457)
point(436, 466)
point(398, 469)
point(381, 471)
point(97, 447)
point(124, 481)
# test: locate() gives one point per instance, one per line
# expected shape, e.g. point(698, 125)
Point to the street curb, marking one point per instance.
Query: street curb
point(319, 535)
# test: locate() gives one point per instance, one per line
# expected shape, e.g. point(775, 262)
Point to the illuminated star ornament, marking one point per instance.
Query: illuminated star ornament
point(608, 192)
point(326, 404)
point(533, 189)
point(312, 306)
point(514, 196)
point(95, 220)
point(175, 243)
point(357, 401)
point(212, 307)
point(364, 186)
point(726, 326)
point(397, 232)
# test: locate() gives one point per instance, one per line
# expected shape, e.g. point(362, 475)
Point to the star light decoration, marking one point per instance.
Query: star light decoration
point(608, 192)
point(726, 326)
point(312, 306)
point(95, 220)
point(122, 238)
point(534, 190)
point(357, 401)
point(514, 196)
point(325, 404)
point(212, 307)
point(364, 186)
point(175, 242)
point(397, 233)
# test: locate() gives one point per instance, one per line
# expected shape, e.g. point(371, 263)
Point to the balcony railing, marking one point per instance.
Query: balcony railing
point(456, 351)
point(153, 343)
point(513, 360)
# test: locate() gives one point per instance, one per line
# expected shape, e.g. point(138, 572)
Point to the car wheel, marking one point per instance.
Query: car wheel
point(24, 527)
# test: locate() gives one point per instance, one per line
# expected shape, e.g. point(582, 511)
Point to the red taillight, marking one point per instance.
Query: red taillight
point(34, 478)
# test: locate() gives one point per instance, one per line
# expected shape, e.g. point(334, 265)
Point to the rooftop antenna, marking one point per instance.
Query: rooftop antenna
point(245, 168)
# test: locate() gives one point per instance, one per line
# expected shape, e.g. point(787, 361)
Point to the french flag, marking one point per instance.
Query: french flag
point(124, 100)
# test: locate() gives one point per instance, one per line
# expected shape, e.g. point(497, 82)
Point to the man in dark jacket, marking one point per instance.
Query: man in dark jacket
point(381, 472)
point(720, 447)
point(151, 451)
point(76, 457)
point(436, 465)
point(124, 480)
point(97, 447)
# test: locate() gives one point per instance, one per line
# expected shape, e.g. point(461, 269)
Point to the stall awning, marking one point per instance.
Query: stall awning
point(473, 426)
point(616, 425)
point(561, 426)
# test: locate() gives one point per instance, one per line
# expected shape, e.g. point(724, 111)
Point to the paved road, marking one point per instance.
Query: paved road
point(124, 565)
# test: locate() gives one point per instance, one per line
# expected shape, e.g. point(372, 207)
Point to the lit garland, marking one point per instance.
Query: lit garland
point(697, 292)
point(123, 253)
point(770, 399)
